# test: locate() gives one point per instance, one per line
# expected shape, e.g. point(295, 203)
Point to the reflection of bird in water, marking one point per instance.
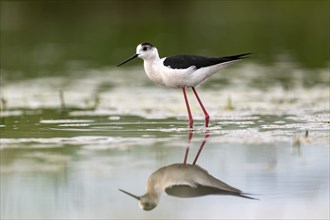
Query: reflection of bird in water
point(185, 181)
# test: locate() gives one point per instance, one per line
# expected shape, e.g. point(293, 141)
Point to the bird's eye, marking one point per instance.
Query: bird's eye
point(144, 48)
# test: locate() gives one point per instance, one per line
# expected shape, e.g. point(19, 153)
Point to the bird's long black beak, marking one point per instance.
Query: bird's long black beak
point(130, 194)
point(131, 58)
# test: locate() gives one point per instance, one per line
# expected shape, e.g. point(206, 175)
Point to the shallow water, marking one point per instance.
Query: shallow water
point(72, 167)
point(65, 154)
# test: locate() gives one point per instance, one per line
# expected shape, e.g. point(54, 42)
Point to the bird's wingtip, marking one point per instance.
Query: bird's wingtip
point(248, 196)
point(244, 55)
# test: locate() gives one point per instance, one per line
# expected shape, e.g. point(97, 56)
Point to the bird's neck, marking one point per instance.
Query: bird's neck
point(153, 184)
point(152, 194)
point(151, 67)
point(152, 58)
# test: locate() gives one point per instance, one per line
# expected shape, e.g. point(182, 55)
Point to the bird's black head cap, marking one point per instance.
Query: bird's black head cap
point(147, 44)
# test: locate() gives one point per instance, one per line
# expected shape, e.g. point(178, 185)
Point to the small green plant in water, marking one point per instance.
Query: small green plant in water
point(92, 103)
point(229, 105)
point(3, 105)
point(62, 100)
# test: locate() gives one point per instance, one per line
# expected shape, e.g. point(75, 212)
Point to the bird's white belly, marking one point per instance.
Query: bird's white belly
point(172, 78)
point(177, 78)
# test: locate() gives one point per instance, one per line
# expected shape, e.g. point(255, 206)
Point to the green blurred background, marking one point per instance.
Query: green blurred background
point(40, 38)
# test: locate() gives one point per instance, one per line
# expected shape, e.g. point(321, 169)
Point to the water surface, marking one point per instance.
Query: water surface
point(67, 159)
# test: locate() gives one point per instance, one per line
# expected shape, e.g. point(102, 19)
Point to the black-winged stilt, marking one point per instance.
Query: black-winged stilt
point(181, 71)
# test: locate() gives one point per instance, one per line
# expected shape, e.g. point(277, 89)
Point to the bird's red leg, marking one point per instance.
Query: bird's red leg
point(188, 147)
point(201, 147)
point(191, 121)
point(207, 117)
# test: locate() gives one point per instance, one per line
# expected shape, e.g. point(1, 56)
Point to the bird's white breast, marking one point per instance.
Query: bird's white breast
point(151, 69)
point(173, 78)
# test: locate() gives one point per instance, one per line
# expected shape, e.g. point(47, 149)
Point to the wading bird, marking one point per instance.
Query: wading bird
point(181, 71)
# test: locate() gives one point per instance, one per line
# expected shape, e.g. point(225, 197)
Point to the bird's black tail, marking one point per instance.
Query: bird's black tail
point(239, 56)
point(247, 196)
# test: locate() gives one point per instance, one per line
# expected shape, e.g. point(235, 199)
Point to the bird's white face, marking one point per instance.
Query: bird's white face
point(146, 51)
point(148, 202)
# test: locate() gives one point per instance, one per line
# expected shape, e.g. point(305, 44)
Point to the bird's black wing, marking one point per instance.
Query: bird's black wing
point(187, 191)
point(186, 61)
